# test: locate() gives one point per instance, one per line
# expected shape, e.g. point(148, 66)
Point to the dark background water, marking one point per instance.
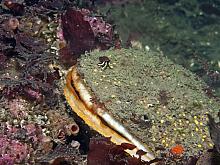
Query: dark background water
point(186, 31)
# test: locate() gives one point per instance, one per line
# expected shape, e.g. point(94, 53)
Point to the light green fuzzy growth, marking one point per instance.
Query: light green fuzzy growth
point(134, 89)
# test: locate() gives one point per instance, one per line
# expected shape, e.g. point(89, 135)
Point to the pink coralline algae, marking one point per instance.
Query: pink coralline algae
point(102, 30)
point(33, 132)
point(6, 160)
point(17, 143)
point(17, 108)
point(12, 151)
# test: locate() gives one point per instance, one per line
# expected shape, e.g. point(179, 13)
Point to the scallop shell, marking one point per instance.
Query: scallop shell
point(154, 101)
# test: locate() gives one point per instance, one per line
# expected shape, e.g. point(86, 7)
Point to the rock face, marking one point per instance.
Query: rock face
point(160, 102)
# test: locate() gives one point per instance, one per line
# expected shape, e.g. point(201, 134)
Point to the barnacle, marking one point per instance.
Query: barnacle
point(72, 129)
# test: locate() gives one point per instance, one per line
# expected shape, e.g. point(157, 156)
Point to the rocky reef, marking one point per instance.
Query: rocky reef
point(157, 100)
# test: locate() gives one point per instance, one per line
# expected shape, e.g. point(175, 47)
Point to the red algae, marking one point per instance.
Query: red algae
point(77, 32)
point(84, 31)
point(103, 151)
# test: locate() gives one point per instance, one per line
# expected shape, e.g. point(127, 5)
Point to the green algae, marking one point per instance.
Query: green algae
point(133, 89)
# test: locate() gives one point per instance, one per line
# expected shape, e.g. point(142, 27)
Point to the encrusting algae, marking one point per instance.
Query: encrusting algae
point(157, 101)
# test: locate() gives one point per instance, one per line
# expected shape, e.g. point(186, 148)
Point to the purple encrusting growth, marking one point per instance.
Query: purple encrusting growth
point(17, 143)
point(6, 160)
point(12, 151)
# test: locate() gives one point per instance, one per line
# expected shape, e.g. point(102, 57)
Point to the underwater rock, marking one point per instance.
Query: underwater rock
point(210, 9)
point(15, 7)
point(62, 154)
point(209, 158)
point(3, 59)
point(214, 130)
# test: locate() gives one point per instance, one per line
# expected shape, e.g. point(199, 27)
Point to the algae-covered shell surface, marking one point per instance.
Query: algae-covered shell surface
point(160, 102)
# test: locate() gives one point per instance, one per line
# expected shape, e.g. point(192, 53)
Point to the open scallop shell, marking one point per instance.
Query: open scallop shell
point(81, 102)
